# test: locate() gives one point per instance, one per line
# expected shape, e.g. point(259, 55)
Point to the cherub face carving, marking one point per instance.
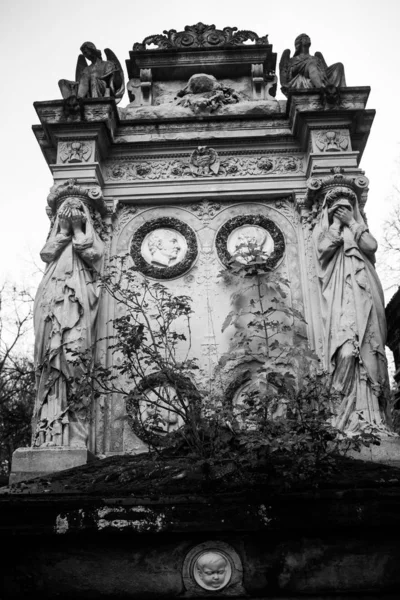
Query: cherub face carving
point(212, 570)
point(164, 247)
point(249, 242)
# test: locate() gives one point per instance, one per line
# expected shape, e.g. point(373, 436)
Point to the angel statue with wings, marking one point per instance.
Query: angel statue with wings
point(304, 70)
point(100, 79)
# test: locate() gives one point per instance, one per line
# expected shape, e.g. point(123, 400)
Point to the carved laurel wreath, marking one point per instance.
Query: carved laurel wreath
point(279, 241)
point(152, 382)
point(164, 272)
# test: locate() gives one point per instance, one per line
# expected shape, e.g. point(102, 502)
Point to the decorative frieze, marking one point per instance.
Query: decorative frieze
point(204, 162)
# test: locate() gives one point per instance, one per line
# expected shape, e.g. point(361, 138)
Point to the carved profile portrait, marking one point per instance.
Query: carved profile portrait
point(243, 400)
point(164, 248)
point(212, 570)
point(248, 242)
point(156, 411)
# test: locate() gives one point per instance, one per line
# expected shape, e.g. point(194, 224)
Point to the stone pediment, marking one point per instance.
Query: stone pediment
point(161, 65)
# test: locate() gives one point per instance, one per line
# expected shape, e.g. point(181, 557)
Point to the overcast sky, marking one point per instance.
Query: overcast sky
point(40, 42)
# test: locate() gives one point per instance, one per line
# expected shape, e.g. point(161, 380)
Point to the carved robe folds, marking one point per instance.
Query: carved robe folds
point(354, 325)
point(64, 318)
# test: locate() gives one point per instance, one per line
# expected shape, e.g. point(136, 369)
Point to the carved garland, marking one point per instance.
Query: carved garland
point(234, 166)
point(164, 272)
point(276, 234)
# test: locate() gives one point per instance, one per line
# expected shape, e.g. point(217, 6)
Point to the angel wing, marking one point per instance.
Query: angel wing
point(284, 67)
point(119, 77)
point(323, 62)
point(81, 64)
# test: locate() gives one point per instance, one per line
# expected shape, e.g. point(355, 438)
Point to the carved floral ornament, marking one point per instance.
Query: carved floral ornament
point(204, 162)
point(332, 141)
point(74, 152)
point(200, 36)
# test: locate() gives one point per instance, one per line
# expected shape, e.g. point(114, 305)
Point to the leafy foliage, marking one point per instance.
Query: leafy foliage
point(17, 376)
point(284, 416)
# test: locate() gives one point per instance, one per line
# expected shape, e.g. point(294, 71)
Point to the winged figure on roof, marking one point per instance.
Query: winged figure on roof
point(98, 79)
point(304, 70)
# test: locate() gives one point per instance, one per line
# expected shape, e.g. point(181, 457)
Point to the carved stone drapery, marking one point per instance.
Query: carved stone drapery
point(352, 303)
point(65, 314)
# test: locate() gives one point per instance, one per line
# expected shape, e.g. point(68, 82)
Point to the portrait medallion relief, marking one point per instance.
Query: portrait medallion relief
point(249, 240)
point(164, 248)
point(156, 411)
point(155, 408)
point(212, 570)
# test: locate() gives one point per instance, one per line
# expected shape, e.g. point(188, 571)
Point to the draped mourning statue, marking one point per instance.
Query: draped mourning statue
point(100, 79)
point(353, 311)
point(303, 70)
point(65, 313)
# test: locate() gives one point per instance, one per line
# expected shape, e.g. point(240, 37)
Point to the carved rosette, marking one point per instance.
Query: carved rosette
point(250, 231)
point(74, 152)
point(337, 140)
point(164, 248)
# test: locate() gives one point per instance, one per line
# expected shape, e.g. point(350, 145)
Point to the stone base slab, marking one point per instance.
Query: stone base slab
point(387, 453)
point(28, 463)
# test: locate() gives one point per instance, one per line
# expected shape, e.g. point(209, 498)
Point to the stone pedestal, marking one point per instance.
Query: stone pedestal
point(28, 463)
point(387, 453)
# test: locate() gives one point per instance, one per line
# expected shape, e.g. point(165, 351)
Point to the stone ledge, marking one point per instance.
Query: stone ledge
point(387, 453)
point(28, 463)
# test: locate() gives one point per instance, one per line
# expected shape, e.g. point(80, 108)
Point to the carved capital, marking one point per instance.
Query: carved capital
point(91, 196)
point(318, 188)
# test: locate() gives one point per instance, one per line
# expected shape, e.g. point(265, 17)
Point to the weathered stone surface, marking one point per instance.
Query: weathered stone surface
point(306, 71)
point(28, 463)
point(340, 539)
point(204, 144)
point(171, 111)
point(100, 79)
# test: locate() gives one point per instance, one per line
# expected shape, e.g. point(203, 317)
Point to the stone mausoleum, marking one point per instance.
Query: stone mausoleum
point(205, 165)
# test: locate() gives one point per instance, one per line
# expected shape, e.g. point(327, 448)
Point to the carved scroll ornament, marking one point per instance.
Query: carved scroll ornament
point(201, 36)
